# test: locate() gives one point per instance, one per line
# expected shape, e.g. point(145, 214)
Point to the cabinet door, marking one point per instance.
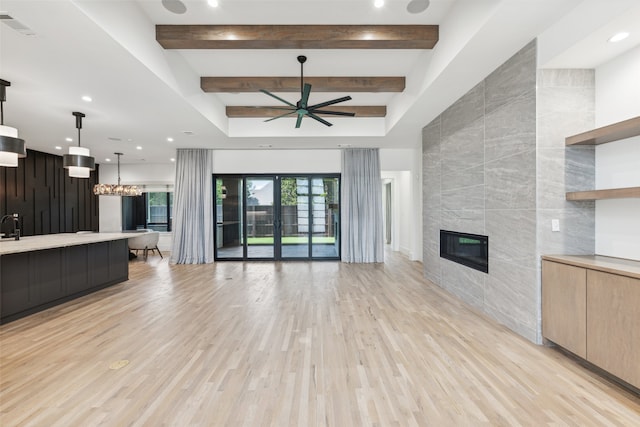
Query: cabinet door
point(118, 260)
point(14, 284)
point(48, 271)
point(613, 325)
point(564, 300)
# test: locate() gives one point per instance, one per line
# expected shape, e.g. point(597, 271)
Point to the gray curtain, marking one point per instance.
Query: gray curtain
point(193, 208)
point(362, 235)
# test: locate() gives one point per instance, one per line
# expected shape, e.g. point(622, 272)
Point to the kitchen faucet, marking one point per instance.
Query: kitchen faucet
point(16, 230)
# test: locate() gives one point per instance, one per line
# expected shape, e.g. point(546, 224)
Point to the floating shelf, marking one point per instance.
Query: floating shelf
point(602, 135)
point(612, 193)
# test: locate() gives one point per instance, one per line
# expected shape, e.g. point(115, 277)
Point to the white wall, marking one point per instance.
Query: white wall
point(618, 163)
point(276, 161)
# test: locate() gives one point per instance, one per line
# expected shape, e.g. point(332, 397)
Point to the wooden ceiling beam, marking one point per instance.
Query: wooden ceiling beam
point(292, 84)
point(297, 36)
point(266, 112)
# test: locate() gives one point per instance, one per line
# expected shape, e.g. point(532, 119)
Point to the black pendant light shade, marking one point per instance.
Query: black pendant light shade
point(78, 161)
point(11, 147)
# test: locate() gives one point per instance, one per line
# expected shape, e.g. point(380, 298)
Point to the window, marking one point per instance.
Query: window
point(159, 208)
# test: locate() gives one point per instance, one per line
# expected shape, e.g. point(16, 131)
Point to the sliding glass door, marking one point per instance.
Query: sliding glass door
point(260, 217)
point(294, 217)
point(277, 217)
point(229, 214)
point(325, 203)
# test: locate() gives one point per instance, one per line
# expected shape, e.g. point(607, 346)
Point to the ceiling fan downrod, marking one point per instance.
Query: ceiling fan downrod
point(302, 59)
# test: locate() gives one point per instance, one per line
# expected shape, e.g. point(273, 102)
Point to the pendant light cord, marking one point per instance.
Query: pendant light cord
point(79, 126)
point(118, 154)
point(3, 97)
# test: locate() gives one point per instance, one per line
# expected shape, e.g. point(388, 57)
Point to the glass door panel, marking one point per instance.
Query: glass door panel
point(325, 197)
point(260, 217)
point(229, 218)
point(294, 217)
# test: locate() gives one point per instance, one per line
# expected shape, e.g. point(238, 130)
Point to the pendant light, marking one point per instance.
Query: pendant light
point(11, 147)
point(116, 189)
point(78, 161)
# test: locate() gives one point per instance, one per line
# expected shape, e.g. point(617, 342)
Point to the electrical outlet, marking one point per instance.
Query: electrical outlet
point(555, 225)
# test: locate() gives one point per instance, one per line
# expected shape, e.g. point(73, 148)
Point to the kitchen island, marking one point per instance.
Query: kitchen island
point(38, 272)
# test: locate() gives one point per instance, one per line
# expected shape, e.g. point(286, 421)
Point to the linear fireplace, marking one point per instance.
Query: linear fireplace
point(471, 250)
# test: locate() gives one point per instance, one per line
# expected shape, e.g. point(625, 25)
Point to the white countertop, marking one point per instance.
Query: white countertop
point(48, 241)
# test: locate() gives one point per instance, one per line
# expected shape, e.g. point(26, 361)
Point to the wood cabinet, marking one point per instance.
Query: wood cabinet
point(564, 311)
point(613, 324)
point(602, 135)
point(591, 307)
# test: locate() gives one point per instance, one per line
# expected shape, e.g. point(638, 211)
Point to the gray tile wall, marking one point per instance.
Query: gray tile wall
point(494, 163)
point(566, 106)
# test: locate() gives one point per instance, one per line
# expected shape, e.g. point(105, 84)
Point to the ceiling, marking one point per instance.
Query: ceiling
point(143, 94)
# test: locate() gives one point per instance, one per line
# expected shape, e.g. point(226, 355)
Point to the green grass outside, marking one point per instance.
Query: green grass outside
point(290, 240)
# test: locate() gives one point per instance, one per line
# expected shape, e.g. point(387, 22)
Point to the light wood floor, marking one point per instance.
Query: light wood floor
point(279, 344)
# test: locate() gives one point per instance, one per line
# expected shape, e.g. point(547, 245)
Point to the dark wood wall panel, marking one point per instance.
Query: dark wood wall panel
point(48, 201)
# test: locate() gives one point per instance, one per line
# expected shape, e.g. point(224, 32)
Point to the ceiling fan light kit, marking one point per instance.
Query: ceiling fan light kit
point(79, 161)
point(302, 107)
point(11, 147)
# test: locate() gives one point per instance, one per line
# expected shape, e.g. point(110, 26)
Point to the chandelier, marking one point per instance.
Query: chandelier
point(116, 189)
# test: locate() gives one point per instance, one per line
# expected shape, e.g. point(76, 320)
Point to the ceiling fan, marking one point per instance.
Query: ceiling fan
point(302, 107)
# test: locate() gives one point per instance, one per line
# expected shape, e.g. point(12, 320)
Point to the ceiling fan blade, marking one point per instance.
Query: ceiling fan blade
point(324, 104)
point(281, 115)
point(277, 97)
point(299, 121)
point(305, 95)
point(321, 120)
point(333, 113)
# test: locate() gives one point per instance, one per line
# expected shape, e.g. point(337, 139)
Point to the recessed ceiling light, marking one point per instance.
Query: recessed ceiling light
point(138, 148)
point(107, 160)
point(172, 159)
point(378, 3)
point(58, 147)
point(170, 139)
point(68, 139)
point(87, 98)
point(212, 3)
point(618, 37)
